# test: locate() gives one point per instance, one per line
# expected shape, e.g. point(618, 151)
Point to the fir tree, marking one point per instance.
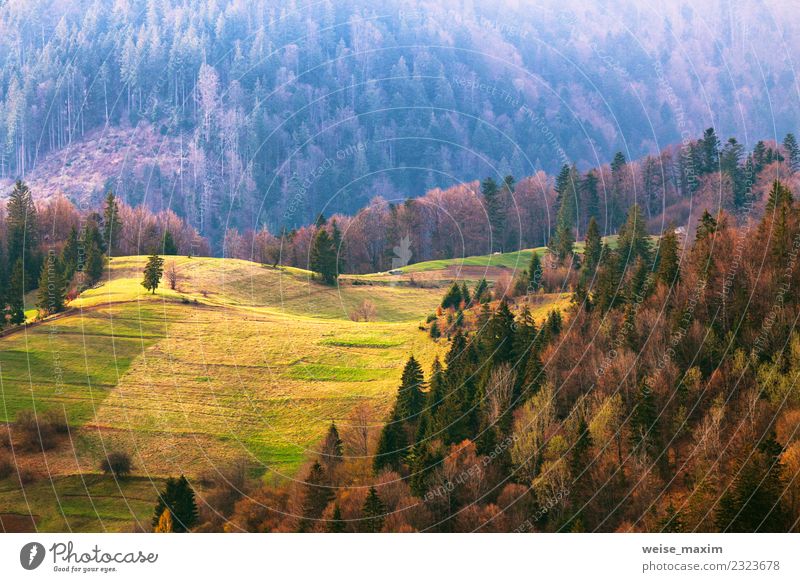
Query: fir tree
point(178, 498)
point(392, 445)
point(792, 151)
point(338, 247)
point(322, 259)
point(336, 524)
point(50, 297)
point(453, 297)
point(22, 232)
point(535, 273)
point(410, 395)
point(779, 195)
point(498, 337)
point(112, 225)
point(494, 208)
point(374, 512)
point(153, 272)
point(332, 449)
point(16, 294)
point(95, 261)
point(668, 260)
point(316, 495)
point(481, 293)
point(633, 239)
point(69, 255)
point(169, 247)
point(593, 248)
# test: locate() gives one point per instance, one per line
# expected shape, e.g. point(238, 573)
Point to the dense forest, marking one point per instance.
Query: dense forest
point(269, 113)
point(664, 399)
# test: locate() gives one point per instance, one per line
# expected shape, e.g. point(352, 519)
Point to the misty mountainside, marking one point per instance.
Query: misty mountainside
point(265, 113)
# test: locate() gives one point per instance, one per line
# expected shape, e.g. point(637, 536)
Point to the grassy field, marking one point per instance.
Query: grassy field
point(240, 361)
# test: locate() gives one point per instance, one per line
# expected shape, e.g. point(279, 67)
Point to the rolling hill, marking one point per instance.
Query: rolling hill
point(241, 360)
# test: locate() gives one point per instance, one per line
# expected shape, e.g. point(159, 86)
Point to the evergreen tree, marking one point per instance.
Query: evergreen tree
point(374, 512)
point(453, 297)
point(51, 288)
point(332, 449)
point(336, 524)
point(498, 337)
point(323, 257)
point(668, 259)
point(792, 151)
point(435, 332)
point(779, 195)
point(317, 495)
point(178, 498)
point(591, 200)
point(753, 503)
point(22, 232)
point(392, 445)
point(153, 272)
point(563, 240)
point(16, 294)
point(338, 247)
point(633, 239)
point(112, 225)
point(169, 247)
point(69, 255)
point(535, 273)
point(410, 395)
point(709, 151)
point(95, 261)
point(593, 248)
point(465, 294)
point(481, 293)
point(494, 208)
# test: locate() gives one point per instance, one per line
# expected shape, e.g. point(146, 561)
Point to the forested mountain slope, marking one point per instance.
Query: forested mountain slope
point(267, 113)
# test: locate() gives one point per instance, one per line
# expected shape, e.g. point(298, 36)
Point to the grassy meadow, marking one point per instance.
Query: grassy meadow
point(241, 360)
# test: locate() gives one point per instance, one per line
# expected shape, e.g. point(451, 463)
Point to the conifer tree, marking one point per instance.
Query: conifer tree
point(593, 248)
point(22, 232)
point(392, 445)
point(498, 337)
point(112, 224)
point(153, 272)
point(453, 297)
point(779, 195)
point(178, 498)
point(69, 255)
point(494, 208)
point(16, 294)
point(668, 260)
point(332, 449)
point(633, 239)
point(410, 395)
point(535, 273)
point(481, 293)
point(374, 513)
point(317, 495)
point(50, 297)
point(792, 151)
point(169, 247)
point(95, 261)
point(322, 259)
point(465, 294)
point(336, 524)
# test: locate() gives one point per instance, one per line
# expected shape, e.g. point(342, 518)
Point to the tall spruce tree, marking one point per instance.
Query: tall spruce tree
point(668, 259)
point(410, 395)
point(112, 224)
point(792, 151)
point(178, 498)
point(51, 293)
point(22, 233)
point(593, 247)
point(322, 259)
point(374, 513)
point(492, 198)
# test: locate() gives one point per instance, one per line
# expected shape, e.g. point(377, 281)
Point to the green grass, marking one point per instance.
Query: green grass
point(240, 361)
point(88, 502)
